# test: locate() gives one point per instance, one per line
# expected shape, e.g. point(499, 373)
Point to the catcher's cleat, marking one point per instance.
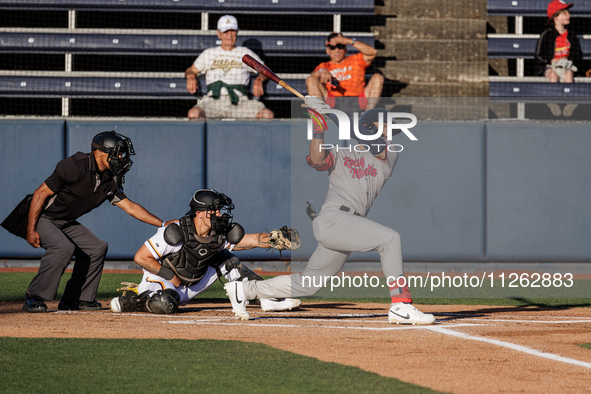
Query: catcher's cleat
point(235, 292)
point(115, 305)
point(401, 313)
point(279, 305)
point(128, 302)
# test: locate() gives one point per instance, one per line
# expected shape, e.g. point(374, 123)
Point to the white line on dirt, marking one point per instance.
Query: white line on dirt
point(509, 345)
point(396, 327)
point(532, 321)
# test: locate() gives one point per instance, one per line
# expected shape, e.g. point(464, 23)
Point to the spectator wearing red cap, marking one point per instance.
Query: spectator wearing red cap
point(558, 51)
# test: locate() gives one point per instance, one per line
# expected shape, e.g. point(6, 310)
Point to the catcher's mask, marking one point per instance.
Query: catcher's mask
point(212, 201)
point(366, 125)
point(119, 148)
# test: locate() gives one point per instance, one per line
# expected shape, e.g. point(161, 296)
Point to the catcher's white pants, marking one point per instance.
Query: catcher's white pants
point(153, 283)
point(339, 234)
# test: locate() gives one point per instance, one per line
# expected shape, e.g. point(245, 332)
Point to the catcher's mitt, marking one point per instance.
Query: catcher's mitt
point(285, 238)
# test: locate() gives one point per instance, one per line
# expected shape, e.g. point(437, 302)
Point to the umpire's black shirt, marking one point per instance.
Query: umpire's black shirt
point(79, 187)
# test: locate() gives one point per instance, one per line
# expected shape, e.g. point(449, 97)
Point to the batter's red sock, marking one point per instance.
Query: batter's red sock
point(404, 295)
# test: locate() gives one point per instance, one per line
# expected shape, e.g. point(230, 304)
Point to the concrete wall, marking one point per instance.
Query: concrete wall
point(465, 191)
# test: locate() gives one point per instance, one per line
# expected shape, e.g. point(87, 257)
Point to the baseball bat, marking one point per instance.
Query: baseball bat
point(266, 72)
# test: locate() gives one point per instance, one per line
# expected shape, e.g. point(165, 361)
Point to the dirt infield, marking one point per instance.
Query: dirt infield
point(471, 349)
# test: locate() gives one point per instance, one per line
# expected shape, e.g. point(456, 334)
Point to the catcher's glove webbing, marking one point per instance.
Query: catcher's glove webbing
point(285, 238)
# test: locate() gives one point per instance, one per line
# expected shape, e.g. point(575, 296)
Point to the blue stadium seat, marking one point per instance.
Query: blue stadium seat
point(525, 48)
point(124, 87)
point(353, 7)
point(582, 8)
point(172, 44)
point(539, 90)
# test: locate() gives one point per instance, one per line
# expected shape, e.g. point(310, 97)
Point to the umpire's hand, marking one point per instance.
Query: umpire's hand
point(33, 238)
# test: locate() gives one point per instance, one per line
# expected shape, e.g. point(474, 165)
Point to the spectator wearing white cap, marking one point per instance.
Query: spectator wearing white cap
point(227, 79)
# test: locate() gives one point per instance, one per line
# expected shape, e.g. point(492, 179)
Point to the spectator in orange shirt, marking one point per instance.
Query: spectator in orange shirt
point(348, 72)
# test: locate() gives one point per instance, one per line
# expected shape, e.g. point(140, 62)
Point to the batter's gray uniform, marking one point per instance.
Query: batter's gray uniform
point(355, 179)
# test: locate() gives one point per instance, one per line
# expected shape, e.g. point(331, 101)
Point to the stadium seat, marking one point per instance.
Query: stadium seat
point(533, 8)
point(161, 44)
point(352, 7)
point(119, 87)
point(540, 90)
point(523, 46)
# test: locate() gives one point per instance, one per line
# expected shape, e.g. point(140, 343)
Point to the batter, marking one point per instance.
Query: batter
point(355, 180)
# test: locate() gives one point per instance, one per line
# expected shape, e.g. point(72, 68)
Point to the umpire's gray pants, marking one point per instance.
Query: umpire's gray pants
point(62, 240)
point(339, 234)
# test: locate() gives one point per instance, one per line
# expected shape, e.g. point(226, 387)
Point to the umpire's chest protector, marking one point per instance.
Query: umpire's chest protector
point(190, 263)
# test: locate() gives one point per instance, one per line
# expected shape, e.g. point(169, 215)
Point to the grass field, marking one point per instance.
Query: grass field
point(62, 365)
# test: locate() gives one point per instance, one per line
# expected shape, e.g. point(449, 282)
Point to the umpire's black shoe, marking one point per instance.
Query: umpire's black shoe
point(90, 305)
point(66, 305)
point(34, 304)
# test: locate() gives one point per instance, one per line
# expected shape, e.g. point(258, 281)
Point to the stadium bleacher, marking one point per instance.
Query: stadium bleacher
point(533, 8)
point(513, 46)
point(163, 43)
point(75, 45)
point(72, 81)
point(58, 85)
point(331, 7)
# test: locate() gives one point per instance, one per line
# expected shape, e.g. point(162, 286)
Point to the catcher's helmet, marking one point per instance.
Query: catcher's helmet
point(119, 148)
point(211, 200)
point(366, 126)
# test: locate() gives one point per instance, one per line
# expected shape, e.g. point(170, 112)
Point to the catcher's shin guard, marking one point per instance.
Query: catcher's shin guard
point(162, 302)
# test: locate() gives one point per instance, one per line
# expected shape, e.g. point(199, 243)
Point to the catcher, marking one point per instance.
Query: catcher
point(185, 258)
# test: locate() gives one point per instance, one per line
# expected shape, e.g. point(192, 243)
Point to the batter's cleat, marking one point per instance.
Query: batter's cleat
point(34, 304)
point(279, 305)
point(235, 292)
point(401, 313)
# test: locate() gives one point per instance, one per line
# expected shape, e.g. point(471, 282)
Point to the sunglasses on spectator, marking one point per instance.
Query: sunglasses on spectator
point(338, 46)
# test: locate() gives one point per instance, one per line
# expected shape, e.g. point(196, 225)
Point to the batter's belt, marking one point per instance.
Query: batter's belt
point(347, 209)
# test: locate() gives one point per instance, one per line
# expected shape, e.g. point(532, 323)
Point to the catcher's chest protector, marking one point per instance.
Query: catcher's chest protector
point(196, 255)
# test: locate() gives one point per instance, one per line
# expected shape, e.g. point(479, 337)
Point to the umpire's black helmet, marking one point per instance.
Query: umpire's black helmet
point(119, 148)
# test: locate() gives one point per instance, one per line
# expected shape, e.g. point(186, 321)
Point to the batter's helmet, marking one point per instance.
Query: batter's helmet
point(366, 126)
point(119, 148)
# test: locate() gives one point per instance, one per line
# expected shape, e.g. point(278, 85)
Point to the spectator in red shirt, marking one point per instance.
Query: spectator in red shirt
point(348, 72)
point(558, 51)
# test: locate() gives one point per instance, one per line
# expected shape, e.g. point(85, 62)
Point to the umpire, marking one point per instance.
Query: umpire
point(79, 184)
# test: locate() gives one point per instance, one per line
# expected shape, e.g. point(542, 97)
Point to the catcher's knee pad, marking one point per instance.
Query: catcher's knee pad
point(245, 272)
point(163, 302)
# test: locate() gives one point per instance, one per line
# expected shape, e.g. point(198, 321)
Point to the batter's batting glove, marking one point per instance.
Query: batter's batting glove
point(316, 103)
